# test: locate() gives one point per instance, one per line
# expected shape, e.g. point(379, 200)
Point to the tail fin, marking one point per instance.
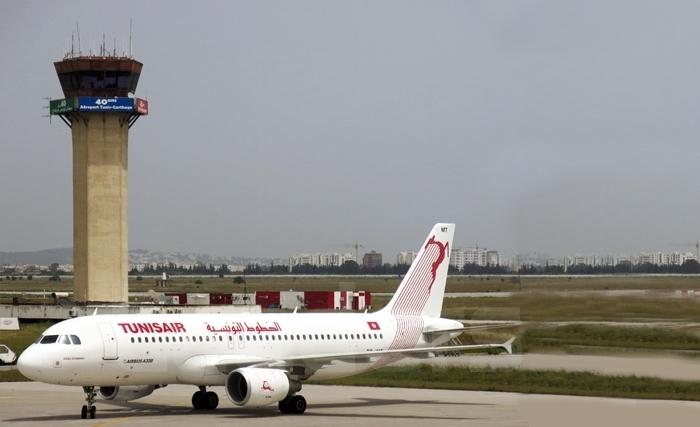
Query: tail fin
point(422, 289)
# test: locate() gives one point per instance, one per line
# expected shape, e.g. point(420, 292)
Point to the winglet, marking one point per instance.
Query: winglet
point(508, 345)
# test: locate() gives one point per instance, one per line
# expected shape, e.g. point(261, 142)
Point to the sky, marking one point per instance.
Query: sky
point(279, 127)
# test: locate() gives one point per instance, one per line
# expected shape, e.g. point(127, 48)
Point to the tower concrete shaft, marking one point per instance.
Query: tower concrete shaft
point(99, 107)
point(100, 207)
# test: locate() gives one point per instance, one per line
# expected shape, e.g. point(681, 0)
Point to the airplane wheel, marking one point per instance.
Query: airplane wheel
point(285, 406)
point(93, 411)
point(211, 400)
point(198, 400)
point(297, 404)
point(84, 412)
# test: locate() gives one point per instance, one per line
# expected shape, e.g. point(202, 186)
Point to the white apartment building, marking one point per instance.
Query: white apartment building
point(478, 256)
point(405, 257)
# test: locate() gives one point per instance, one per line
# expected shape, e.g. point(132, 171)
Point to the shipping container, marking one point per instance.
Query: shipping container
point(319, 300)
point(291, 299)
point(197, 299)
point(177, 298)
point(267, 299)
point(220, 299)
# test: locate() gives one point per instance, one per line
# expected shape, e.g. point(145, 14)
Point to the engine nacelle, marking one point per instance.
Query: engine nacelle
point(257, 386)
point(125, 393)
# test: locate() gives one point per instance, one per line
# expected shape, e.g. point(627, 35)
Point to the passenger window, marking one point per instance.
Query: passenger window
point(297, 337)
point(207, 338)
point(221, 338)
point(180, 339)
point(267, 338)
point(247, 337)
point(49, 339)
point(160, 339)
point(75, 339)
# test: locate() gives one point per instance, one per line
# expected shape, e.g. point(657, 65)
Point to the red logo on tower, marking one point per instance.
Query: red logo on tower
point(141, 106)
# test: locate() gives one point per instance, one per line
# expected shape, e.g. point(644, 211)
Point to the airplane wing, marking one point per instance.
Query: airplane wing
point(316, 361)
point(472, 328)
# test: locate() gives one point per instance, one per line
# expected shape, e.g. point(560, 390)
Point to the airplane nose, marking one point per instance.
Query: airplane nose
point(29, 364)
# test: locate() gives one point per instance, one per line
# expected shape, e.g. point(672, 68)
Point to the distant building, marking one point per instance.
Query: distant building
point(372, 260)
point(476, 256)
point(320, 260)
point(405, 258)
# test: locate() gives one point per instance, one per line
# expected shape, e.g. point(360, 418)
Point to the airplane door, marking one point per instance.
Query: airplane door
point(109, 341)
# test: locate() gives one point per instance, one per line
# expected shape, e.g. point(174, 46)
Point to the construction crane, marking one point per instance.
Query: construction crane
point(696, 245)
point(357, 247)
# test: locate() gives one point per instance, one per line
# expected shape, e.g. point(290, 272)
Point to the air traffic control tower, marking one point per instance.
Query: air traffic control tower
point(99, 108)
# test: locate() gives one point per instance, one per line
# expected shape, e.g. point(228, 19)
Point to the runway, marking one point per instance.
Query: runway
point(36, 404)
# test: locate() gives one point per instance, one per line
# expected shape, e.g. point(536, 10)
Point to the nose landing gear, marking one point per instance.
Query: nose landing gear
point(89, 410)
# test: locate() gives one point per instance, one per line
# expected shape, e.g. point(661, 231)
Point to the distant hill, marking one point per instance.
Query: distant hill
point(136, 256)
point(43, 257)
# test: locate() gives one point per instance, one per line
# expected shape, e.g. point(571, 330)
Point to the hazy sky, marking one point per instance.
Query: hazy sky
point(286, 126)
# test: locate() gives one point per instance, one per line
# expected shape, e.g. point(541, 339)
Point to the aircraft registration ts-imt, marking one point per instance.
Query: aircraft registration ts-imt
point(260, 359)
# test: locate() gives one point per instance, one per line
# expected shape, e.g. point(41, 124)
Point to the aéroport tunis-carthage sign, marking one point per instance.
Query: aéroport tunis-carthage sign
point(98, 104)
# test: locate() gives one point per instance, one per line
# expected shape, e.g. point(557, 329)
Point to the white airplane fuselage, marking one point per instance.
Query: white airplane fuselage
point(119, 350)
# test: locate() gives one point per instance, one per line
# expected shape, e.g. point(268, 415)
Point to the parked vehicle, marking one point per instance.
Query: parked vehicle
point(7, 356)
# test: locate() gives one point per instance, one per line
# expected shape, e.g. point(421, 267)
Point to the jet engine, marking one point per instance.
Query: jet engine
point(125, 393)
point(259, 387)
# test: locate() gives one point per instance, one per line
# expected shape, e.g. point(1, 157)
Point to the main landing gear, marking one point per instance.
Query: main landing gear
point(89, 410)
point(204, 399)
point(293, 404)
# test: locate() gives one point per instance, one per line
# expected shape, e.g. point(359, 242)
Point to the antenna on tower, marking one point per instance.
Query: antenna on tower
point(48, 98)
point(77, 29)
point(131, 26)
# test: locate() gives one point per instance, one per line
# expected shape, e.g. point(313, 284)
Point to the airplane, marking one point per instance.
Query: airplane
point(260, 358)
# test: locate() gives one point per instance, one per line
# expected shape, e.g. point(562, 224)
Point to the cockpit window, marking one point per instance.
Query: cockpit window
point(64, 339)
point(49, 339)
point(75, 339)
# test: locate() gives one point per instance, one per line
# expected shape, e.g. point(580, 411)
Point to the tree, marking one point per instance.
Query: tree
point(349, 267)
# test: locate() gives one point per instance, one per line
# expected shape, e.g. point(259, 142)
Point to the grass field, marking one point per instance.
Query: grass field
point(526, 381)
point(382, 284)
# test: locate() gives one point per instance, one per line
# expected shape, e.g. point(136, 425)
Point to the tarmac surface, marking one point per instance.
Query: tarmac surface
point(36, 404)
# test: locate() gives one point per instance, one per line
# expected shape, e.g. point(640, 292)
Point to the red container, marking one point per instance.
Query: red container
point(319, 300)
point(267, 299)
